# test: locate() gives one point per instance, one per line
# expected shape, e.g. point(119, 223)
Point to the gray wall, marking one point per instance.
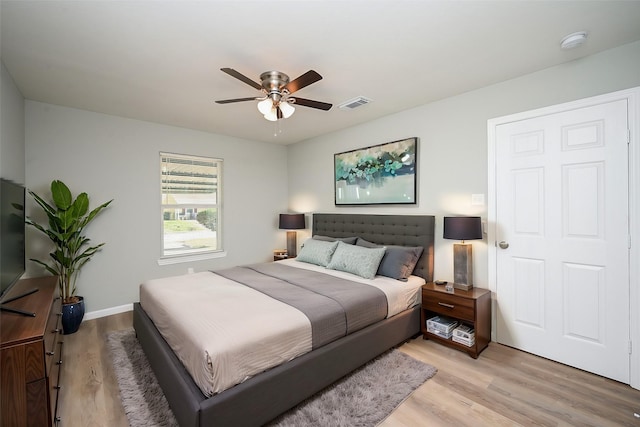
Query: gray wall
point(452, 151)
point(11, 129)
point(116, 158)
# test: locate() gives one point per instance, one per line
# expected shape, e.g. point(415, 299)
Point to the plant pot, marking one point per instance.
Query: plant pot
point(72, 315)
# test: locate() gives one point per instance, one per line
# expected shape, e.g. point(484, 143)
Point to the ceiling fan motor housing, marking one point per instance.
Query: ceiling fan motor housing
point(273, 80)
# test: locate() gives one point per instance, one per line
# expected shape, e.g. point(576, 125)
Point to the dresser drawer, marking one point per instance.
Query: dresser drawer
point(38, 414)
point(448, 305)
point(34, 362)
point(54, 382)
point(53, 335)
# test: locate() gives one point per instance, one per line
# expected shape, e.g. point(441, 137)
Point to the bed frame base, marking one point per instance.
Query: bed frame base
point(264, 397)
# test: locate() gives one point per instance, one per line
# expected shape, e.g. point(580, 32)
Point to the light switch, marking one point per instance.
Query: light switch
point(477, 200)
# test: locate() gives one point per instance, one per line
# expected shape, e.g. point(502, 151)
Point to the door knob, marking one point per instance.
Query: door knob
point(503, 245)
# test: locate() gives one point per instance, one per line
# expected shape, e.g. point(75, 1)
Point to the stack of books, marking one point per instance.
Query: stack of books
point(442, 326)
point(464, 334)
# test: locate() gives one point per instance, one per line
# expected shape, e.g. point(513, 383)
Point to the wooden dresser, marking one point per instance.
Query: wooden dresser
point(31, 355)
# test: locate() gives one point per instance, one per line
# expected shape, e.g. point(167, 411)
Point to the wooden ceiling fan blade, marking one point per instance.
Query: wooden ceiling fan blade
point(313, 104)
point(303, 81)
point(241, 77)
point(229, 101)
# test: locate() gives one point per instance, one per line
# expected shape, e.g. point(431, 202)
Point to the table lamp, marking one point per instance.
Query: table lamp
point(291, 222)
point(462, 228)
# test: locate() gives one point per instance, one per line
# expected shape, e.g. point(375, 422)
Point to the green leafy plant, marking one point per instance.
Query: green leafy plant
point(67, 221)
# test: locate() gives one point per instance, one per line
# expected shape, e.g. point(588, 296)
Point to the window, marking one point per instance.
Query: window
point(191, 189)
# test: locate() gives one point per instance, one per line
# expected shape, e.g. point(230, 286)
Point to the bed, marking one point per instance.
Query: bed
point(263, 397)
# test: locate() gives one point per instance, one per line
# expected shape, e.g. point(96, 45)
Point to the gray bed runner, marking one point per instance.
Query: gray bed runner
point(335, 307)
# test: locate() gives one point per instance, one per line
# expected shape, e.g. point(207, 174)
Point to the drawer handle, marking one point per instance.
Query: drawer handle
point(446, 305)
point(59, 362)
point(50, 353)
point(55, 331)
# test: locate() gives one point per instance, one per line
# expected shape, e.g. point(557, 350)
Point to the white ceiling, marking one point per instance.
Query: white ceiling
point(160, 60)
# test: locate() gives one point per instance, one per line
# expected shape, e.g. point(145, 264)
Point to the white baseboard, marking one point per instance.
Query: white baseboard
point(108, 311)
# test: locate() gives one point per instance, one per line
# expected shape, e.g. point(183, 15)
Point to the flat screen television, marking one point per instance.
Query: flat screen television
point(12, 239)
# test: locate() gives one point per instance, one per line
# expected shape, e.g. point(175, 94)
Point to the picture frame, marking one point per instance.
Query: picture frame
point(377, 175)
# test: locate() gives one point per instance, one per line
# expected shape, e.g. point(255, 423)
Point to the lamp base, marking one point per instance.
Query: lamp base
point(462, 286)
point(292, 244)
point(462, 266)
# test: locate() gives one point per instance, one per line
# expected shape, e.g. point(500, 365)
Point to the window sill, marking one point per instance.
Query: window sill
point(191, 258)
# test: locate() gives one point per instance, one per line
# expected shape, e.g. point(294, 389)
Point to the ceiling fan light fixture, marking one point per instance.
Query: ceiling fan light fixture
point(287, 109)
point(265, 106)
point(272, 115)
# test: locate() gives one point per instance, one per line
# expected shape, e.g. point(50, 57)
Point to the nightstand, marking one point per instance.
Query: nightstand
point(472, 307)
point(280, 254)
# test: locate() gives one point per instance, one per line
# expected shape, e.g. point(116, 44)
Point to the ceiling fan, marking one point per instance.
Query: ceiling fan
point(277, 102)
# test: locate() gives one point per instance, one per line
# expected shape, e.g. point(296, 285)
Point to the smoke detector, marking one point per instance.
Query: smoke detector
point(573, 40)
point(354, 103)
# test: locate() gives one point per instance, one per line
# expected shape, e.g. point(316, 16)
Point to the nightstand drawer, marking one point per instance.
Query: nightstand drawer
point(449, 305)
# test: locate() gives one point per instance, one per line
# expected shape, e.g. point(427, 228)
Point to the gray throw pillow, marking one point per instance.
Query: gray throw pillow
point(398, 261)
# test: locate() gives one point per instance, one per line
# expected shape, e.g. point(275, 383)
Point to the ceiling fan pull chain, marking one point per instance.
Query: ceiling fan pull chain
point(276, 128)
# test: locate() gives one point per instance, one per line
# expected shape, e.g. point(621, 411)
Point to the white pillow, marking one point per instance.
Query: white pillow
point(357, 260)
point(317, 252)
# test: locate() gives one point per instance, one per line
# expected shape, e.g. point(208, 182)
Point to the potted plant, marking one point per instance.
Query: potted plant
point(67, 221)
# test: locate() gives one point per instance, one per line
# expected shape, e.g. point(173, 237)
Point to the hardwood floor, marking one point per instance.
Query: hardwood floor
point(503, 387)
point(90, 396)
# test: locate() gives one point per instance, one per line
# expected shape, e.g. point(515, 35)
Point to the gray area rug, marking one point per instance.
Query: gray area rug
point(363, 398)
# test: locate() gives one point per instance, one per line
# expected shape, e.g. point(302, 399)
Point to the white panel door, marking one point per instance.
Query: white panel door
point(562, 278)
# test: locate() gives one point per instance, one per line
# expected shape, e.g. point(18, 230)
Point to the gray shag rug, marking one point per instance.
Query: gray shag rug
point(363, 398)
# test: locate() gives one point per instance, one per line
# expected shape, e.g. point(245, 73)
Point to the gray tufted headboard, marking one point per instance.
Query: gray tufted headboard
point(401, 230)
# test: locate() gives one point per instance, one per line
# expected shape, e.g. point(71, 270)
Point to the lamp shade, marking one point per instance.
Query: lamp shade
point(265, 106)
point(287, 109)
point(292, 221)
point(462, 227)
point(272, 115)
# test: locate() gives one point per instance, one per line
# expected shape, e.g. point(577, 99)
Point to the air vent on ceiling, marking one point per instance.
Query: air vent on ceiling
point(354, 103)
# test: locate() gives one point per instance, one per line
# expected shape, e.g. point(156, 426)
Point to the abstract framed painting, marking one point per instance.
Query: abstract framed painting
point(377, 175)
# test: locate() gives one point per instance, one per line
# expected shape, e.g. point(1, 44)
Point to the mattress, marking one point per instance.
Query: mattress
point(224, 332)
